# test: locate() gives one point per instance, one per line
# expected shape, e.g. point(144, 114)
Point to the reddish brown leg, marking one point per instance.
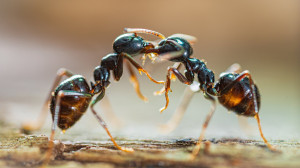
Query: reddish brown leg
point(181, 78)
point(108, 111)
point(104, 125)
point(31, 126)
point(60, 95)
point(139, 68)
point(204, 126)
point(262, 135)
point(135, 82)
point(178, 115)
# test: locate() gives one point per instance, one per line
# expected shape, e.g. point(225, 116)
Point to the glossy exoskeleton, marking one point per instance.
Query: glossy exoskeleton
point(71, 98)
point(235, 90)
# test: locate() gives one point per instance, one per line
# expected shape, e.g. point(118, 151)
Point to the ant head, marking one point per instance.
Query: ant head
point(173, 44)
point(130, 43)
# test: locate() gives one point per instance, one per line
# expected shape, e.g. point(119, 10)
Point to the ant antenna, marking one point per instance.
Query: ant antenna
point(145, 31)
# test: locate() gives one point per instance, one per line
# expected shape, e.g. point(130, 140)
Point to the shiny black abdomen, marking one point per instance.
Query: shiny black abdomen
point(238, 99)
point(71, 107)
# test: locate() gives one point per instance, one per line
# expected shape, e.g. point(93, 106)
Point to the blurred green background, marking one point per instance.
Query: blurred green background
point(37, 38)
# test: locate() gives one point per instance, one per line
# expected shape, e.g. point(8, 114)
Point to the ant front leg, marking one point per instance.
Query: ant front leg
point(139, 68)
point(104, 125)
point(181, 109)
point(61, 94)
point(180, 77)
point(135, 82)
point(28, 127)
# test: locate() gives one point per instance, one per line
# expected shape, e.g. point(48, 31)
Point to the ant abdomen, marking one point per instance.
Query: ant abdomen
point(239, 98)
point(71, 107)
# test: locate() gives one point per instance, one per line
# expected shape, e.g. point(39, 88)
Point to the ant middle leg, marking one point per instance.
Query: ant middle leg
point(135, 82)
point(204, 126)
point(36, 125)
point(104, 125)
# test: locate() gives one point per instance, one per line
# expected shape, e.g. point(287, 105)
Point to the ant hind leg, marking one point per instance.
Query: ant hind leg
point(104, 125)
point(36, 125)
point(60, 95)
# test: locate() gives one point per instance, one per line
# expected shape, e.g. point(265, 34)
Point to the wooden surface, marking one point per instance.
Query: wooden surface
point(18, 150)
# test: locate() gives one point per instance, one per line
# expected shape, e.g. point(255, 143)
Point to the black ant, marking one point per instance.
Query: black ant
point(235, 90)
point(70, 99)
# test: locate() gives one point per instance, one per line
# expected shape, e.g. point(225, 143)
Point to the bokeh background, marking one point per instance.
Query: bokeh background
point(37, 38)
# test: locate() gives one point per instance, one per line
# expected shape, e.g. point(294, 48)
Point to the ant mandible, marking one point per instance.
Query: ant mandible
point(235, 90)
point(70, 99)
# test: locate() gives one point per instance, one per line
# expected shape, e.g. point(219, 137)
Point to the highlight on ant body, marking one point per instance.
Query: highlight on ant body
point(235, 90)
point(70, 98)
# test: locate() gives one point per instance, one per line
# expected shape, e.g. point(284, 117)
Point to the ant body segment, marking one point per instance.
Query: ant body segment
point(70, 99)
point(235, 90)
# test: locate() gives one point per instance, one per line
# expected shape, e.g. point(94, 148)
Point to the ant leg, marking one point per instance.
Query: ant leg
point(181, 78)
point(177, 116)
point(109, 113)
point(103, 124)
point(252, 89)
point(177, 65)
point(27, 127)
point(139, 68)
point(204, 126)
point(60, 95)
point(261, 133)
point(135, 82)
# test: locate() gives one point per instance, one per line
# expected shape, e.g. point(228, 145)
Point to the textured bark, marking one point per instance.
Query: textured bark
point(17, 150)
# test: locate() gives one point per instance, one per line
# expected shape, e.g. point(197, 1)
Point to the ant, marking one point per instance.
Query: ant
point(70, 99)
point(235, 90)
